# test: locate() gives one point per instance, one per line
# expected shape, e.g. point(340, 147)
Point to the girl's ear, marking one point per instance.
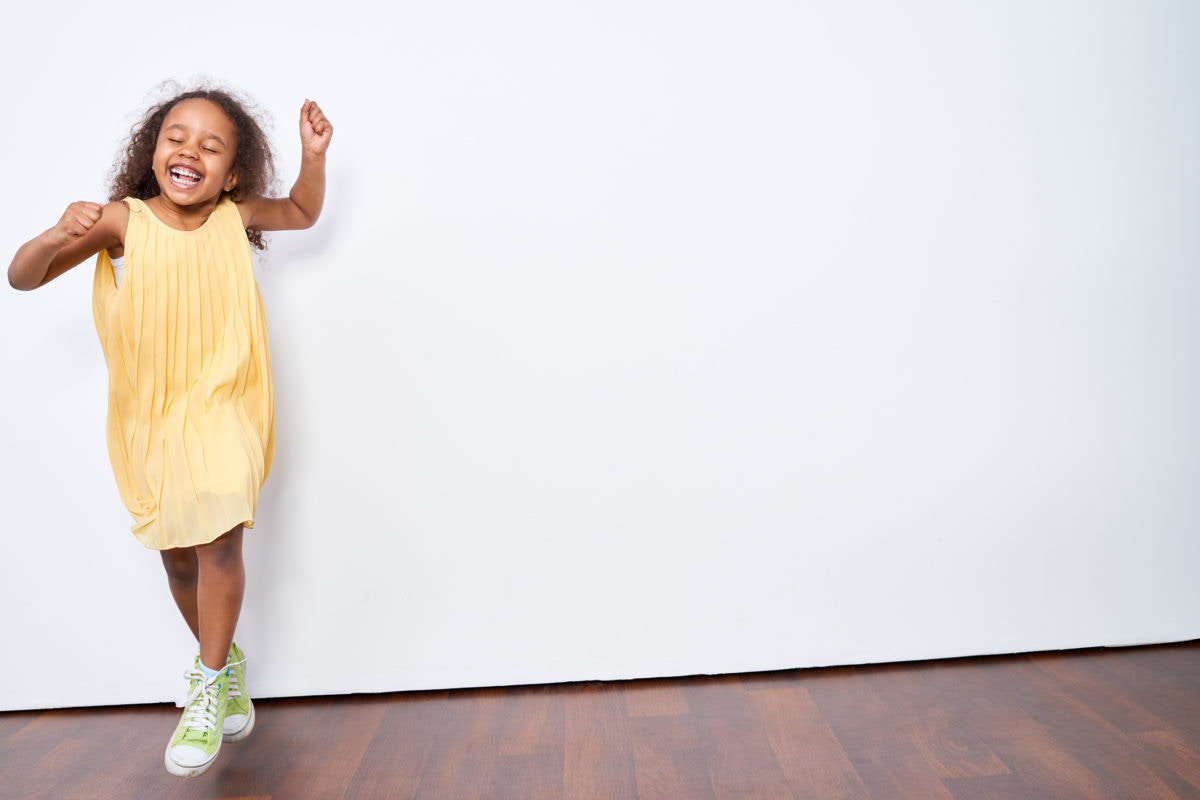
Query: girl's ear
point(231, 181)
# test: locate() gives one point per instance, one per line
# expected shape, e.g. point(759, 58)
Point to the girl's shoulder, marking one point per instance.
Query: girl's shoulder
point(247, 207)
point(116, 213)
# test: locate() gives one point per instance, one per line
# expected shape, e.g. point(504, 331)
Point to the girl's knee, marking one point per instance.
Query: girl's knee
point(223, 553)
point(181, 565)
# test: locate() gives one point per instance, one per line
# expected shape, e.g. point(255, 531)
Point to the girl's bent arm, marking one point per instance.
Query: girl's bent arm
point(83, 230)
point(301, 208)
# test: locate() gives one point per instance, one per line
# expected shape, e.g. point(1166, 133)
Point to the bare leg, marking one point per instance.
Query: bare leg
point(207, 583)
point(219, 591)
point(183, 571)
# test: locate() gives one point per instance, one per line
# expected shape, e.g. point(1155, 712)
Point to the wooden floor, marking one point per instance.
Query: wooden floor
point(1121, 723)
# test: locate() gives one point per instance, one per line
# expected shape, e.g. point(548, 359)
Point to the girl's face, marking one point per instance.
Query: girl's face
point(193, 160)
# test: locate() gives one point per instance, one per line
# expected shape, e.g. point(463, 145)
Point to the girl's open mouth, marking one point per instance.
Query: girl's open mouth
point(183, 177)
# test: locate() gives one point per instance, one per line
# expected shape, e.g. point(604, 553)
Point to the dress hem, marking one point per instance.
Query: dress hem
point(151, 542)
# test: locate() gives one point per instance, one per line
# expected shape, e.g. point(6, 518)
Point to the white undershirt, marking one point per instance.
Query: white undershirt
point(118, 265)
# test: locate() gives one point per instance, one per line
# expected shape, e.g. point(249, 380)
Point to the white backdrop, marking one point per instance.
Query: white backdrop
point(646, 338)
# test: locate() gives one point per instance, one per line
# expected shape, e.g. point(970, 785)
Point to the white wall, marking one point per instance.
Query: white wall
point(646, 338)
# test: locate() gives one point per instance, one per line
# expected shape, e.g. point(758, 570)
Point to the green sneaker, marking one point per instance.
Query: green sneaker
point(197, 739)
point(239, 711)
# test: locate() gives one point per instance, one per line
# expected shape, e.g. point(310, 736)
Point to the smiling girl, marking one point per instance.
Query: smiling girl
point(182, 327)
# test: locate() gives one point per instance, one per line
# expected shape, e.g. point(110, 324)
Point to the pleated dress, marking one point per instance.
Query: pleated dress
point(190, 400)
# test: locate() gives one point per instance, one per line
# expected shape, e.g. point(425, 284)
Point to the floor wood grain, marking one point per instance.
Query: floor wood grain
point(1102, 724)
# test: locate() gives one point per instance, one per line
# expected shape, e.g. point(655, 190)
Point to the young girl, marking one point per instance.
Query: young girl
point(184, 335)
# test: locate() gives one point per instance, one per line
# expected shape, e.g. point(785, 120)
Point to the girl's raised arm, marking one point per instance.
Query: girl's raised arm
point(83, 230)
point(301, 208)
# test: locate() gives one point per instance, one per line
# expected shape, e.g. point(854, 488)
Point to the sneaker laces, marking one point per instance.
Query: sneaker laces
point(235, 686)
point(201, 703)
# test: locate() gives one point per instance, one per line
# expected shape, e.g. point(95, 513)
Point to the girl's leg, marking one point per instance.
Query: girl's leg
point(207, 582)
point(183, 572)
point(221, 583)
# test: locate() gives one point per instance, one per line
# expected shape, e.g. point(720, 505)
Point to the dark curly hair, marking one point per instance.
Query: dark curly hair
point(254, 161)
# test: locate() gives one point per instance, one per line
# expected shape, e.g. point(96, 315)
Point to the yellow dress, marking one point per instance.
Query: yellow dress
point(190, 401)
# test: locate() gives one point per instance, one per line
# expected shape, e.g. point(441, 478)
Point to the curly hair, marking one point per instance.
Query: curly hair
point(254, 160)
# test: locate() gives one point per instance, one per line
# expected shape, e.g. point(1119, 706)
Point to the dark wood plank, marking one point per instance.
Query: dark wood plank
point(529, 776)
point(1046, 768)
point(1160, 680)
point(809, 755)
point(599, 756)
point(461, 764)
point(1079, 730)
point(394, 761)
point(530, 752)
point(325, 745)
point(1122, 703)
point(874, 737)
point(534, 722)
point(935, 721)
point(1176, 751)
point(994, 787)
point(65, 755)
point(655, 698)
point(740, 760)
point(668, 760)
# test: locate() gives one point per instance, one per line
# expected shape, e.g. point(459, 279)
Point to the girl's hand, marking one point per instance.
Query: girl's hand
point(315, 130)
point(79, 218)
